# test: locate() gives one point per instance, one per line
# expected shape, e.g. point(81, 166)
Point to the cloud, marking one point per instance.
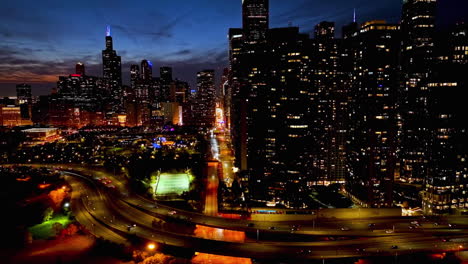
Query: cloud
point(159, 32)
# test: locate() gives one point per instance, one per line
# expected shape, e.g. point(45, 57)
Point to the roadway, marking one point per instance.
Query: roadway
point(109, 213)
point(371, 243)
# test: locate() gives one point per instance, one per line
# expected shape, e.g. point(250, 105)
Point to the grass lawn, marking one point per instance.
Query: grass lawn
point(44, 230)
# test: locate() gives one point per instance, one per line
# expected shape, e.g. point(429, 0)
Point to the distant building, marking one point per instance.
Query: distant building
point(166, 89)
point(112, 68)
point(80, 69)
point(146, 70)
point(10, 116)
point(24, 97)
point(134, 75)
point(35, 136)
point(204, 104)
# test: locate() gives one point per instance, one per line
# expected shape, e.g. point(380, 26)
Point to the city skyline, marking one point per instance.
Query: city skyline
point(312, 133)
point(38, 50)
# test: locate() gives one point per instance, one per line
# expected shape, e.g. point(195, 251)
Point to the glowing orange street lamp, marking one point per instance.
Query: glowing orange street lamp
point(151, 246)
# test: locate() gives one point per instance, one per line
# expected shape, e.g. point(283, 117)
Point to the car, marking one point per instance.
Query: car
point(111, 186)
point(360, 249)
point(345, 228)
point(452, 225)
point(394, 247)
point(371, 225)
point(389, 231)
point(172, 213)
point(436, 224)
point(414, 222)
point(444, 240)
point(411, 227)
point(272, 228)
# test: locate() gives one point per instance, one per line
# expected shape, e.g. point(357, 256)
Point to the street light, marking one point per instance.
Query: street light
point(151, 246)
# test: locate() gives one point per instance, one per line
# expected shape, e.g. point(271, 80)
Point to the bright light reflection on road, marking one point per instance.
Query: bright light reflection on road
point(219, 234)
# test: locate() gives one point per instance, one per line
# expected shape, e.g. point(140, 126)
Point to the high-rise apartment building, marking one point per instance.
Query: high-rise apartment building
point(418, 27)
point(373, 138)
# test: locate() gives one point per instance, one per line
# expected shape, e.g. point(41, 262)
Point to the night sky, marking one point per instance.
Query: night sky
point(40, 40)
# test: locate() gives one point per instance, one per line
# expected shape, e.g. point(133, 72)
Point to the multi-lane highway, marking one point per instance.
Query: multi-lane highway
point(118, 214)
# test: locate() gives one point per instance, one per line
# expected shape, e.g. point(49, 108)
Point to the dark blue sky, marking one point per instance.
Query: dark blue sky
point(40, 40)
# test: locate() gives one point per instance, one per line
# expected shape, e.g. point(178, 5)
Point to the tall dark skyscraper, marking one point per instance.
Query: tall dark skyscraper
point(111, 63)
point(166, 84)
point(279, 156)
point(23, 93)
point(445, 188)
point(205, 104)
point(80, 68)
point(146, 70)
point(24, 96)
point(418, 27)
point(237, 79)
point(165, 74)
point(373, 136)
point(255, 19)
point(134, 75)
point(330, 102)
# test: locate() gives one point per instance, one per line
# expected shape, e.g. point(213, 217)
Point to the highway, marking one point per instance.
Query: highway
point(111, 214)
point(360, 242)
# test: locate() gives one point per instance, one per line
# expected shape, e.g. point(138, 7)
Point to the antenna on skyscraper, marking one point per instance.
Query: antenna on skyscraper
point(108, 31)
point(354, 15)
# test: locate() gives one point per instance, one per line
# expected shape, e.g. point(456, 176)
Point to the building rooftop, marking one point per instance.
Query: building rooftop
point(39, 130)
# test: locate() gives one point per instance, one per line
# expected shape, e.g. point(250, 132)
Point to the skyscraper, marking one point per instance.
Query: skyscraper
point(24, 96)
point(165, 74)
point(248, 72)
point(418, 27)
point(134, 75)
point(146, 70)
point(112, 68)
point(205, 103)
point(444, 190)
point(255, 20)
point(166, 85)
point(373, 136)
point(330, 102)
point(23, 93)
point(80, 68)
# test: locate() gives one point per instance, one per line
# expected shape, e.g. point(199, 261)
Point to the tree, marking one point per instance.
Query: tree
point(57, 197)
point(71, 230)
point(47, 215)
point(57, 228)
